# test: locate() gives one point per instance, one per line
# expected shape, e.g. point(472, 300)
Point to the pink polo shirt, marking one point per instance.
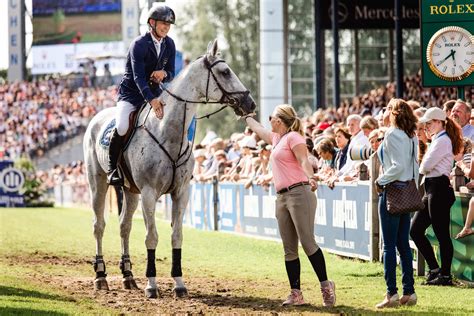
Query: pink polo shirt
point(285, 167)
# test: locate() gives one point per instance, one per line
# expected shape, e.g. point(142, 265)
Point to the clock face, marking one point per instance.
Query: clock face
point(450, 53)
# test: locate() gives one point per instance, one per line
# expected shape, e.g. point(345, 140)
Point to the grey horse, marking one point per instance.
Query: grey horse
point(160, 161)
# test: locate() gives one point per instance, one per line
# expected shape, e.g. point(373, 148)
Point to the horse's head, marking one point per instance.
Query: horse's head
point(223, 85)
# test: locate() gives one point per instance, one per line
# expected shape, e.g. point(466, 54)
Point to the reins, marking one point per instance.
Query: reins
point(226, 99)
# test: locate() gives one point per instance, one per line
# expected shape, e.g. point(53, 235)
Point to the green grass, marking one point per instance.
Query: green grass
point(67, 233)
point(19, 296)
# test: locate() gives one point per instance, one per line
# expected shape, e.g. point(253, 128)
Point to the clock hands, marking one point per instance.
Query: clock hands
point(446, 58)
point(449, 54)
point(452, 55)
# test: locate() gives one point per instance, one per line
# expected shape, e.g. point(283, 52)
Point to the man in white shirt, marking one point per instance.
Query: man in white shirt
point(358, 140)
point(461, 113)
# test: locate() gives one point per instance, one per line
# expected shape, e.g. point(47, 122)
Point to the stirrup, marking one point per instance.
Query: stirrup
point(114, 178)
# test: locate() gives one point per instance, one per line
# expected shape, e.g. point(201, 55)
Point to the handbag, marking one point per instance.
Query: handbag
point(403, 197)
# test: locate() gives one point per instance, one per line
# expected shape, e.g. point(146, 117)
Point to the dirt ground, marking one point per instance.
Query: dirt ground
point(206, 296)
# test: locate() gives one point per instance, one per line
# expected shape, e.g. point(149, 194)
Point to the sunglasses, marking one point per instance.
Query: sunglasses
point(373, 140)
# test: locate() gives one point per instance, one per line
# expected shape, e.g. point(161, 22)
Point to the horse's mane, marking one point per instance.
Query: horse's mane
point(183, 73)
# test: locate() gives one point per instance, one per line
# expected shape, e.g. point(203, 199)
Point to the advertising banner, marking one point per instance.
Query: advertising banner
point(11, 182)
point(342, 221)
point(65, 59)
point(258, 214)
point(370, 14)
point(16, 40)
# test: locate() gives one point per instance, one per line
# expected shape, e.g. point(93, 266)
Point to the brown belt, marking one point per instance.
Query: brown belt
point(284, 190)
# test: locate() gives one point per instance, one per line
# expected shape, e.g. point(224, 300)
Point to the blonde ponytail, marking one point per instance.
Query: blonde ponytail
point(289, 117)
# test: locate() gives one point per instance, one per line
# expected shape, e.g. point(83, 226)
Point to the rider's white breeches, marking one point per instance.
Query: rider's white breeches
point(124, 109)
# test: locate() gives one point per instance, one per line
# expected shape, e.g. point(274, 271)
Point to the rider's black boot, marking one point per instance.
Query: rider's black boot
point(114, 177)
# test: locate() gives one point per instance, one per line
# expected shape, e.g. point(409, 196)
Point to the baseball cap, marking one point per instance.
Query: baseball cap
point(323, 125)
point(433, 113)
point(248, 141)
point(199, 153)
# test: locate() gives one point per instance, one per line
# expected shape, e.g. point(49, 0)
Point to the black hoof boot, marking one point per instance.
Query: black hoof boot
point(180, 292)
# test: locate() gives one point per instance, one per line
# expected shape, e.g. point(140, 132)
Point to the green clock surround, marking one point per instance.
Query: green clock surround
point(450, 53)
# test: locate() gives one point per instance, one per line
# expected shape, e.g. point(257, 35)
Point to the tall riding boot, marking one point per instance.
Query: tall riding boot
point(114, 177)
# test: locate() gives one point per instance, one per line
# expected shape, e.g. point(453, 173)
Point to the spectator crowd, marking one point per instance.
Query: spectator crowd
point(36, 116)
point(331, 134)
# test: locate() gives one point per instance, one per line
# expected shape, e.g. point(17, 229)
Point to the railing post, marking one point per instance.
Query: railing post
point(215, 186)
point(374, 202)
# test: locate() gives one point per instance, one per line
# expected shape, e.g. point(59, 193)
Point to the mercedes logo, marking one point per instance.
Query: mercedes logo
point(342, 13)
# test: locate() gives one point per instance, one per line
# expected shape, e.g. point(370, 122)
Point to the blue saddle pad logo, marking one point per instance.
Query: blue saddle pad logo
point(107, 134)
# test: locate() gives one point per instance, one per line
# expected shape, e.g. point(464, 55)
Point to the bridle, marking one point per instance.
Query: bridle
point(226, 99)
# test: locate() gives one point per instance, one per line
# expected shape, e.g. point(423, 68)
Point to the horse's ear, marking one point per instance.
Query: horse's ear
point(212, 48)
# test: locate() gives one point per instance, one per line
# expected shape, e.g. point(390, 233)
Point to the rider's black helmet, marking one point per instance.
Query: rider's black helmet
point(161, 12)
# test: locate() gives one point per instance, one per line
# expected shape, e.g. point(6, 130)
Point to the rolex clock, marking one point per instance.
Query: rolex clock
point(450, 53)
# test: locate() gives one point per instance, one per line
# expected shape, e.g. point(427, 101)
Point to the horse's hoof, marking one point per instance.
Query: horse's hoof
point(129, 283)
point(101, 284)
point(180, 292)
point(151, 293)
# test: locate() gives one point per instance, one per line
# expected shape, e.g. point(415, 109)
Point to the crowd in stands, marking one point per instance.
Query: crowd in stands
point(72, 175)
point(331, 134)
point(35, 116)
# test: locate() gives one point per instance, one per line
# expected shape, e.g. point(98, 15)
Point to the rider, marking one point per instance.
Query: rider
point(150, 60)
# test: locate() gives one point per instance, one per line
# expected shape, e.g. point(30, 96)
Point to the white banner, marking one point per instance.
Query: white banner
point(130, 22)
point(16, 40)
point(67, 58)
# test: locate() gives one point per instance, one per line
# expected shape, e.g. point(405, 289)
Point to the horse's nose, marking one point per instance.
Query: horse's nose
point(253, 105)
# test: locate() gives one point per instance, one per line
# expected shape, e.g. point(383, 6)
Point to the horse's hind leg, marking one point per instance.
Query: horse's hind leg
point(151, 241)
point(126, 217)
point(98, 187)
point(180, 201)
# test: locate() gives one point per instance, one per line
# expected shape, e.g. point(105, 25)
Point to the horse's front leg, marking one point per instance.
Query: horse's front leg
point(98, 189)
point(180, 201)
point(126, 217)
point(151, 241)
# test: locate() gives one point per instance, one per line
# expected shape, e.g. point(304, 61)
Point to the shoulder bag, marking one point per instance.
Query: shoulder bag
point(403, 196)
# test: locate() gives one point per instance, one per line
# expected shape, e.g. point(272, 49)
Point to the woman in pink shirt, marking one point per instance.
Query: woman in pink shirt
point(295, 206)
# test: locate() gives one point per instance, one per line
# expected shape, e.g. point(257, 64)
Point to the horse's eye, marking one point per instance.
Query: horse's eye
point(226, 73)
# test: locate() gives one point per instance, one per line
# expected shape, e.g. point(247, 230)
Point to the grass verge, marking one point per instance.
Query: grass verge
point(60, 234)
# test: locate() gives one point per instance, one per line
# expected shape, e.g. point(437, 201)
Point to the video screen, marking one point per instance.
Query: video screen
point(76, 21)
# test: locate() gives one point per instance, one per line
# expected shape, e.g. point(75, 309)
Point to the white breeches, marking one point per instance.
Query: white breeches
point(124, 109)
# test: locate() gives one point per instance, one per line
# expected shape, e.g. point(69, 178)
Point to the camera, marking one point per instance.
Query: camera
point(361, 152)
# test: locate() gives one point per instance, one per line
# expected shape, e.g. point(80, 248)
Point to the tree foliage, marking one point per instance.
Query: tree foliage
point(235, 24)
point(33, 189)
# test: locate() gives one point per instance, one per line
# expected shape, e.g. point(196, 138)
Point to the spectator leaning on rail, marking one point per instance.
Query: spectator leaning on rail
point(358, 140)
point(469, 173)
point(150, 61)
point(296, 203)
point(446, 141)
point(461, 114)
point(398, 154)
